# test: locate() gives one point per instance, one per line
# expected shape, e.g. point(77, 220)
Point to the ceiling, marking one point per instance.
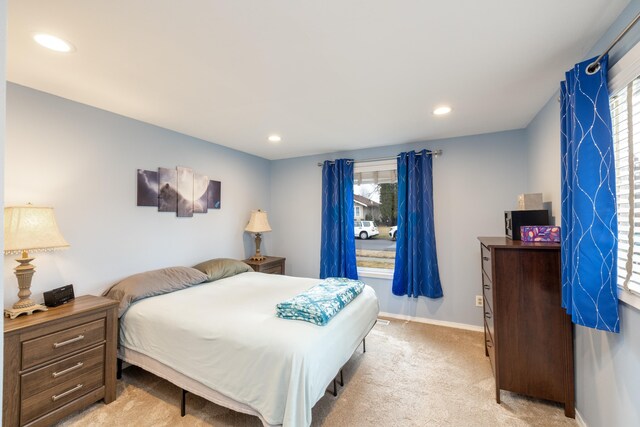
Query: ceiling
point(327, 75)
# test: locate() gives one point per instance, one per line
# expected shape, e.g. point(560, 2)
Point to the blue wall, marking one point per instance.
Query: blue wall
point(607, 365)
point(82, 161)
point(86, 171)
point(3, 56)
point(475, 180)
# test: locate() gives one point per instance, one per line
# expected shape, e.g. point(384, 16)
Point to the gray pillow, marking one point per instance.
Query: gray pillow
point(152, 283)
point(219, 268)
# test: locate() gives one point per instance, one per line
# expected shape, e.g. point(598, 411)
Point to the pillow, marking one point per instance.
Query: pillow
point(219, 268)
point(152, 283)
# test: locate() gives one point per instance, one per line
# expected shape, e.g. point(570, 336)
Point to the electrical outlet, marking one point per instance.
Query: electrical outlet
point(478, 300)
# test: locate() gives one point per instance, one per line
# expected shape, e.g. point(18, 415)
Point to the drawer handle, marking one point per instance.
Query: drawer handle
point(487, 315)
point(72, 340)
point(486, 258)
point(66, 393)
point(487, 287)
point(489, 345)
point(66, 371)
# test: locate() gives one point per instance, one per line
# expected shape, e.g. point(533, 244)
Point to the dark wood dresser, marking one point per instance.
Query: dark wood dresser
point(59, 361)
point(270, 265)
point(528, 335)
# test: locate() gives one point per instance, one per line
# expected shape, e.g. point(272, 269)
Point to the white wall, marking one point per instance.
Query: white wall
point(83, 162)
point(475, 180)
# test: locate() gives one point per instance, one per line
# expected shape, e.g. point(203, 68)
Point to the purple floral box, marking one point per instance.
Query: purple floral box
point(540, 233)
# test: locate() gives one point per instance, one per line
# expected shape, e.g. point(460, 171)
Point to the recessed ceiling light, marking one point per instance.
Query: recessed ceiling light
point(440, 111)
point(53, 42)
point(275, 138)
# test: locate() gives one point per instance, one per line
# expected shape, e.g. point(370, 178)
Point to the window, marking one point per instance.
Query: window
point(625, 118)
point(375, 191)
point(357, 212)
point(624, 87)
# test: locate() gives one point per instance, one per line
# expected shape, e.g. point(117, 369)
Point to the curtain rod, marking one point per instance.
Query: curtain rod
point(595, 65)
point(435, 153)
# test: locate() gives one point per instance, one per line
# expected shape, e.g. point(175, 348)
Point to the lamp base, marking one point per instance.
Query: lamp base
point(258, 256)
point(12, 313)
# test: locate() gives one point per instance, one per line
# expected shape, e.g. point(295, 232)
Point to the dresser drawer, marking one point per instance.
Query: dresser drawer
point(487, 289)
point(49, 347)
point(61, 394)
point(57, 373)
point(488, 319)
point(490, 347)
point(486, 260)
point(528, 336)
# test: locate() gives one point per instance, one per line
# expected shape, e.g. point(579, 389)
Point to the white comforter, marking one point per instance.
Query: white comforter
point(226, 335)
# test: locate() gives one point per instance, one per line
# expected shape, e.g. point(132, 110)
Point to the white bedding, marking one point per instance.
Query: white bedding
point(225, 335)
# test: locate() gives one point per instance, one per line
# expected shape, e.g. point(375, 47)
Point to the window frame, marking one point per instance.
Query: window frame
point(371, 166)
point(626, 70)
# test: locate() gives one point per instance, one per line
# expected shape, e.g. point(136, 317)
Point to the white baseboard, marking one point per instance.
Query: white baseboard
point(433, 322)
point(580, 420)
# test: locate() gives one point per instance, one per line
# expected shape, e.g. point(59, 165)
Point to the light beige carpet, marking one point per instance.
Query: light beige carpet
point(411, 375)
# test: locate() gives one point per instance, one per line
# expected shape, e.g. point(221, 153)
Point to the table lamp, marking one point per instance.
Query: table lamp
point(258, 224)
point(29, 228)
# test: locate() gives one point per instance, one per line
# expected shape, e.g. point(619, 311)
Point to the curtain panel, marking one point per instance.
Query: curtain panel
point(589, 220)
point(338, 245)
point(416, 266)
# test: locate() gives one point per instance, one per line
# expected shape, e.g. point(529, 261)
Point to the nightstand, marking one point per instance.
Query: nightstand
point(271, 265)
point(59, 361)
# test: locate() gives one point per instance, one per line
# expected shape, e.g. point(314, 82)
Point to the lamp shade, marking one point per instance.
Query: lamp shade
point(258, 222)
point(31, 228)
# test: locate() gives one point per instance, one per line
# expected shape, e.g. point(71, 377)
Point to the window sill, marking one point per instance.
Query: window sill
point(629, 298)
point(377, 273)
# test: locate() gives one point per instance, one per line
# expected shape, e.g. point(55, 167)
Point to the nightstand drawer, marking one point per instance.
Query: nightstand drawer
point(57, 373)
point(274, 270)
point(58, 344)
point(59, 361)
point(55, 397)
point(269, 265)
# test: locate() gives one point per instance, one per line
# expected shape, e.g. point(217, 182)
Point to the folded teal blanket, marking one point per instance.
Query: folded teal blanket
point(319, 304)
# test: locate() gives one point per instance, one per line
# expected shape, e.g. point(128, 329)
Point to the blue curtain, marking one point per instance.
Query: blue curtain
point(589, 220)
point(338, 245)
point(416, 269)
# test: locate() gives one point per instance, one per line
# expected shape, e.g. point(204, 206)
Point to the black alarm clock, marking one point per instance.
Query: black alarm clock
point(58, 296)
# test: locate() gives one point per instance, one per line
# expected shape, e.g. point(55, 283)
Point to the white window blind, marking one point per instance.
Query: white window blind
point(625, 118)
point(376, 172)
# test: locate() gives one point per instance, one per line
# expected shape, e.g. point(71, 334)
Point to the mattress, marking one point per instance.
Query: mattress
point(225, 335)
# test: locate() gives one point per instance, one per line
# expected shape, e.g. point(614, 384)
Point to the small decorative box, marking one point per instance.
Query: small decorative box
point(530, 201)
point(540, 233)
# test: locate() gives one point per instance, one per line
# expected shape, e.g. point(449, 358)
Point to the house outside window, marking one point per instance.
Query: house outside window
point(376, 200)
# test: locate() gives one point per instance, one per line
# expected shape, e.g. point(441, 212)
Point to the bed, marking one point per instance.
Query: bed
point(222, 341)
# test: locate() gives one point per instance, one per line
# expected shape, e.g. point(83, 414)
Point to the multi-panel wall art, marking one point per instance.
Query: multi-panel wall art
point(179, 190)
